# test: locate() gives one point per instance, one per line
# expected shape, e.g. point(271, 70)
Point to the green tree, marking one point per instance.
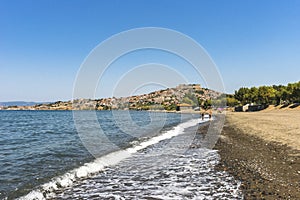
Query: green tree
point(231, 101)
point(190, 98)
point(243, 95)
point(276, 94)
point(170, 107)
point(281, 94)
point(266, 94)
point(253, 96)
point(294, 92)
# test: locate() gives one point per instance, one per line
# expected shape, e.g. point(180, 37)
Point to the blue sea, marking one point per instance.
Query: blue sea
point(107, 155)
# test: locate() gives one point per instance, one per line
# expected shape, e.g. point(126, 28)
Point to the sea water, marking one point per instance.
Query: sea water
point(43, 157)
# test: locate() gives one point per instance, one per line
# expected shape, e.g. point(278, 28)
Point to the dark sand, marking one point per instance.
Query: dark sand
point(267, 169)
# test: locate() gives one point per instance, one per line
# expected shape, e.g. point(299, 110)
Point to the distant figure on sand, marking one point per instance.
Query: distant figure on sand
point(210, 114)
point(202, 116)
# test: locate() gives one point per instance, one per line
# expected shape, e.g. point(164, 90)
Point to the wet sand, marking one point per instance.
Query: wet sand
point(262, 150)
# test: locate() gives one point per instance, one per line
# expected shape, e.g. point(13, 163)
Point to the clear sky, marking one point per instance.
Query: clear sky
point(43, 43)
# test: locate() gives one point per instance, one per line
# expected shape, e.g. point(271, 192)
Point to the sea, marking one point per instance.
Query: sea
point(108, 155)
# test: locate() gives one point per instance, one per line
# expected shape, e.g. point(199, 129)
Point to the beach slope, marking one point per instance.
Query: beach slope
point(262, 149)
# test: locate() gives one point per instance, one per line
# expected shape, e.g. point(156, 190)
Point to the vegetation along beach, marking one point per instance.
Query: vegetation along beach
point(149, 100)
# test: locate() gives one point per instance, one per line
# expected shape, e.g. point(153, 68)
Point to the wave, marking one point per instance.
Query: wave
point(47, 190)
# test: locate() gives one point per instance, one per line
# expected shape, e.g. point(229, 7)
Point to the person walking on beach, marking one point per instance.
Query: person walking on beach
point(202, 116)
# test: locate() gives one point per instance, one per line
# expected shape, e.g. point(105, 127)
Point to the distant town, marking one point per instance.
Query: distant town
point(182, 97)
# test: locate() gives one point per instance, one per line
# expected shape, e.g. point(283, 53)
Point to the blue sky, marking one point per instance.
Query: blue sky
point(43, 43)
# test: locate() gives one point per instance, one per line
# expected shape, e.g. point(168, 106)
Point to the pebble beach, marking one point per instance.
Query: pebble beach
point(261, 149)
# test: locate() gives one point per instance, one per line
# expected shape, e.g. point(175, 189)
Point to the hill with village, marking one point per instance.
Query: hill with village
point(183, 96)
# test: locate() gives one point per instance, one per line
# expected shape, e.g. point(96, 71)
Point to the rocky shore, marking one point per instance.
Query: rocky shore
point(267, 169)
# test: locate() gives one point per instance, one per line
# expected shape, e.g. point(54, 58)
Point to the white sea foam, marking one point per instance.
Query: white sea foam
point(189, 176)
point(48, 189)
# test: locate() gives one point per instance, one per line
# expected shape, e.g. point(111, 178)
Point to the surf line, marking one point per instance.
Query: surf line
point(47, 190)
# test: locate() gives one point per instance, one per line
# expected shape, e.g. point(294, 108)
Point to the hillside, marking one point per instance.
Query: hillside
point(166, 99)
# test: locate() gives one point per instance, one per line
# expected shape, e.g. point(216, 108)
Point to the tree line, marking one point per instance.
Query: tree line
point(266, 95)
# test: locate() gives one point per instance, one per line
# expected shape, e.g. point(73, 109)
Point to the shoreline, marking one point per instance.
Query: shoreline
point(268, 168)
point(156, 111)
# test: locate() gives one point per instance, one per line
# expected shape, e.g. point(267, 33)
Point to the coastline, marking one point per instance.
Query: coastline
point(267, 165)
